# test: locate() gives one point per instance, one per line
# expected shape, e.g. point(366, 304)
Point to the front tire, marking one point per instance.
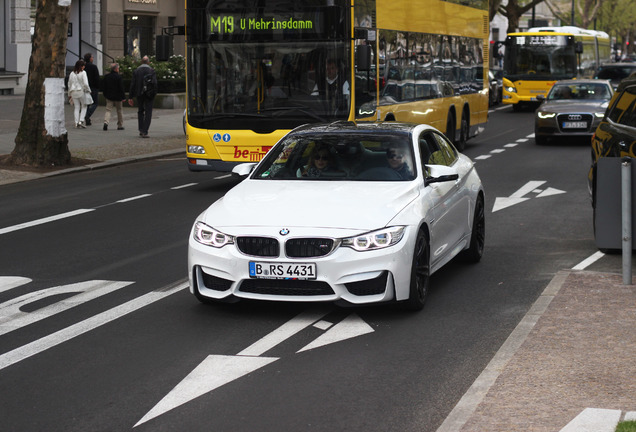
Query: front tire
point(420, 273)
point(478, 235)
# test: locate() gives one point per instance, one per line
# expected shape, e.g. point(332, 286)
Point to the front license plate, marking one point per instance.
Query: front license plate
point(574, 125)
point(267, 270)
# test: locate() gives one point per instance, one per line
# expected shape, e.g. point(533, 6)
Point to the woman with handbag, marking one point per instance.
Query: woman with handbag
point(78, 92)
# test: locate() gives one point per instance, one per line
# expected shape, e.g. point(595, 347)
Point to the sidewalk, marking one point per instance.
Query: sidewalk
point(569, 366)
point(93, 143)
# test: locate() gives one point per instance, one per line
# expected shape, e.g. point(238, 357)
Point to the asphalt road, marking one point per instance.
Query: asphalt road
point(101, 334)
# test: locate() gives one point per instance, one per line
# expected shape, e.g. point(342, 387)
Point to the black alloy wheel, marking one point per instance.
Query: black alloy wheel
point(420, 273)
point(478, 235)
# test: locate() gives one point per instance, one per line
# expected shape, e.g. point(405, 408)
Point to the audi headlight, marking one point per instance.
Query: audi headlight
point(545, 115)
point(599, 114)
point(375, 239)
point(209, 236)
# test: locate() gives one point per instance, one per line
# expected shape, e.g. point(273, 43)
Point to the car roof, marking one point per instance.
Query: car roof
point(627, 82)
point(346, 127)
point(582, 81)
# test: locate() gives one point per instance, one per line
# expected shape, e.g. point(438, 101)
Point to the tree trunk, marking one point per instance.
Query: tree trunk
point(42, 139)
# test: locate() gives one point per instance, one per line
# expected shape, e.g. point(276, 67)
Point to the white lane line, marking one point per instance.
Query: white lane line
point(223, 176)
point(511, 145)
point(482, 157)
point(589, 261)
point(44, 220)
point(184, 186)
point(495, 151)
point(134, 198)
point(40, 345)
point(522, 140)
point(287, 330)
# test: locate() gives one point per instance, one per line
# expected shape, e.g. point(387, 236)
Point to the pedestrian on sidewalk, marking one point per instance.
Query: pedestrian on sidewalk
point(77, 89)
point(114, 93)
point(92, 72)
point(145, 90)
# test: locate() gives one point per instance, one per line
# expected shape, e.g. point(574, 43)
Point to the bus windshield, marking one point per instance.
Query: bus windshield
point(539, 58)
point(267, 65)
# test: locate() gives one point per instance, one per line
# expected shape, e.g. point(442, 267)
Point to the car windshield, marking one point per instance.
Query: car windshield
point(580, 92)
point(337, 157)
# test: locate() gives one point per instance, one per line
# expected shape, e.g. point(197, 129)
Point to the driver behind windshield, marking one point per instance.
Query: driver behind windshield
point(321, 161)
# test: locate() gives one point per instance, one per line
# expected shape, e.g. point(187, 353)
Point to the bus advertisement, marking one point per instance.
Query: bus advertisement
point(536, 59)
point(255, 69)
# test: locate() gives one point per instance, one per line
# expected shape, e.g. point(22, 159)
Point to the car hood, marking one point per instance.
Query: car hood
point(302, 203)
point(578, 106)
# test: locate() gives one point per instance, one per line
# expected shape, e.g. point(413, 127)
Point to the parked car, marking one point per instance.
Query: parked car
point(615, 72)
point(572, 108)
point(615, 136)
point(341, 212)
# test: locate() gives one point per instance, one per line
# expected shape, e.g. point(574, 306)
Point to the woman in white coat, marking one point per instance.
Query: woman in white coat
point(77, 89)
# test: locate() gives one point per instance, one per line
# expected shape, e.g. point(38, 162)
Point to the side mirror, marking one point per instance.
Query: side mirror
point(579, 48)
point(243, 169)
point(540, 98)
point(440, 174)
point(363, 58)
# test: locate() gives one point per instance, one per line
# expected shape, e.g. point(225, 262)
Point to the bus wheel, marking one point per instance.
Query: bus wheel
point(463, 134)
point(450, 127)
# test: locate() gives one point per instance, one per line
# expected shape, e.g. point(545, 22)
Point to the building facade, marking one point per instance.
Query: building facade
point(106, 28)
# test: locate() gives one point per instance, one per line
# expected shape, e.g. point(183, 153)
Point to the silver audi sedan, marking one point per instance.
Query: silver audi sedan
point(572, 108)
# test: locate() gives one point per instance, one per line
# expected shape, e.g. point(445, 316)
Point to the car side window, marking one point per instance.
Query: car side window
point(624, 110)
point(450, 154)
point(430, 153)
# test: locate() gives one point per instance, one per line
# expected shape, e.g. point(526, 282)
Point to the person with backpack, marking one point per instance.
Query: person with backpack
point(144, 87)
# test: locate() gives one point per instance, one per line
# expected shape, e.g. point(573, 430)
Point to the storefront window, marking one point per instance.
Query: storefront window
point(140, 35)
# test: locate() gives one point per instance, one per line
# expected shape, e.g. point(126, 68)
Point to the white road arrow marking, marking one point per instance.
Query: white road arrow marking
point(10, 282)
point(213, 372)
point(549, 192)
point(519, 196)
point(12, 317)
point(218, 370)
point(348, 328)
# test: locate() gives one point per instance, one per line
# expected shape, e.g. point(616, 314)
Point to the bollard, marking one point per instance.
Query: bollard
point(626, 192)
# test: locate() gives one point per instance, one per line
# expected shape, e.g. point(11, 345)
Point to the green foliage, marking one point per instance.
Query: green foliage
point(170, 73)
point(626, 426)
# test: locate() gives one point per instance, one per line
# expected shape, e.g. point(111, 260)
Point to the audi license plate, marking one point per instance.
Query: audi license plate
point(574, 125)
point(267, 270)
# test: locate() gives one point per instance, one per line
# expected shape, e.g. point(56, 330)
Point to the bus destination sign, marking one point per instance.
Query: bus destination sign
point(230, 24)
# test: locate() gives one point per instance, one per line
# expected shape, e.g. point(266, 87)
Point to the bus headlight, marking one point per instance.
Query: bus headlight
point(545, 115)
point(511, 89)
point(196, 149)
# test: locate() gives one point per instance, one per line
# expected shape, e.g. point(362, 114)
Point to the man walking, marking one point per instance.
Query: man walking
point(92, 73)
point(114, 93)
point(144, 87)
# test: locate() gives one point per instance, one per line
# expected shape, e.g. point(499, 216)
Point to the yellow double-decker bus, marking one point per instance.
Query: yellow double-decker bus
point(258, 68)
point(536, 59)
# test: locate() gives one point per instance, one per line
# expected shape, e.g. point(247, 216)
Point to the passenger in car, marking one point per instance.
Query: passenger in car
point(396, 158)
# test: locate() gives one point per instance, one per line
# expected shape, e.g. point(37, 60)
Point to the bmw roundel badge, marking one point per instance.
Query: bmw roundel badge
point(284, 231)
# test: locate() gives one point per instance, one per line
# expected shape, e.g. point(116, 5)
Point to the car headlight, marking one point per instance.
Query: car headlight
point(511, 89)
point(375, 239)
point(599, 114)
point(545, 115)
point(209, 236)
